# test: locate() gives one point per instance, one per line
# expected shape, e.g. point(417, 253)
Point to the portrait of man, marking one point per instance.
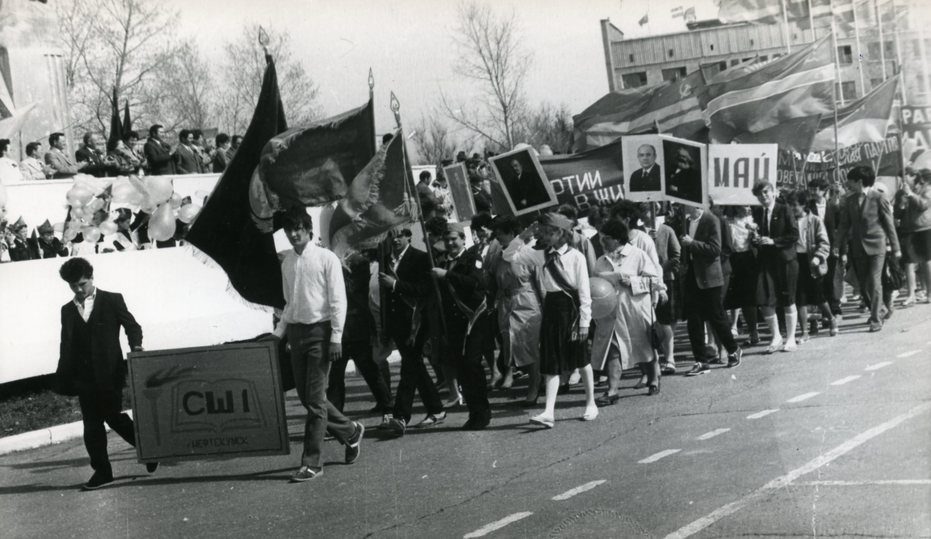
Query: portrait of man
point(684, 172)
point(647, 177)
point(523, 180)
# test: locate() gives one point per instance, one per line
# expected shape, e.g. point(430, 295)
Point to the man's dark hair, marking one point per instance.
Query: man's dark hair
point(130, 135)
point(4, 144)
point(296, 218)
point(222, 138)
point(54, 137)
point(626, 210)
point(406, 232)
point(597, 216)
point(32, 147)
point(818, 183)
point(481, 220)
point(760, 185)
point(616, 229)
point(197, 133)
point(425, 175)
point(75, 269)
point(568, 210)
point(862, 173)
point(87, 137)
point(506, 223)
point(155, 128)
point(182, 136)
point(436, 226)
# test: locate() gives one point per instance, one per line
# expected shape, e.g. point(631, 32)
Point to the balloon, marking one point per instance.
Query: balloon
point(162, 223)
point(107, 228)
point(188, 212)
point(123, 192)
point(604, 298)
point(69, 235)
point(545, 150)
point(59, 227)
point(94, 205)
point(79, 195)
point(91, 234)
point(160, 188)
point(175, 200)
point(77, 213)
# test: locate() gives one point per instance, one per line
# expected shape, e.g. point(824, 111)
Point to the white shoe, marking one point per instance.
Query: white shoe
point(590, 414)
point(790, 346)
point(575, 377)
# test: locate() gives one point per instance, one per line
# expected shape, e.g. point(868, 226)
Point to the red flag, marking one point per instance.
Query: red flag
point(863, 120)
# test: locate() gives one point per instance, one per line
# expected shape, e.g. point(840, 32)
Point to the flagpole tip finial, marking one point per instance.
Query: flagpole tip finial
point(395, 104)
point(371, 79)
point(263, 37)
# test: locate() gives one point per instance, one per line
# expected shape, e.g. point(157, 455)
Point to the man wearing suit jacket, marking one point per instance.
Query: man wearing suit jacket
point(526, 190)
point(778, 264)
point(828, 211)
point(58, 160)
point(91, 363)
point(462, 287)
point(866, 230)
point(703, 282)
point(408, 279)
point(186, 159)
point(158, 153)
point(647, 177)
point(90, 154)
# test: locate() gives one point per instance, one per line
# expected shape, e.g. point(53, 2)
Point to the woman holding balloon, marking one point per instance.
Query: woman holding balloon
point(624, 329)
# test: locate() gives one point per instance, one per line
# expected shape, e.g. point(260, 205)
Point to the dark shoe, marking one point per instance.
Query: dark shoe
point(813, 327)
point(305, 473)
point(476, 423)
point(563, 389)
point(698, 369)
point(668, 370)
point(887, 314)
point(151, 467)
point(97, 480)
point(654, 388)
point(642, 383)
point(607, 400)
point(354, 446)
point(875, 326)
point(733, 360)
point(754, 340)
point(431, 420)
point(716, 360)
point(396, 426)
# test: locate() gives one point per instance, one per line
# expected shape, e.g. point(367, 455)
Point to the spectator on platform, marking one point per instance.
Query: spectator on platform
point(235, 142)
point(32, 167)
point(158, 153)
point(221, 156)
point(9, 170)
point(58, 160)
point(423, 187)
point(202, 149)
point(185, 156)
point(48, 246)
point(20, 246)
point(91, 154)
point(123, 161)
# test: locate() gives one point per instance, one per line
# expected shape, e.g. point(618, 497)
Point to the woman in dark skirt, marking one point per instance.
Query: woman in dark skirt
point(741, 294)
point(567, 309)
point(812, 248)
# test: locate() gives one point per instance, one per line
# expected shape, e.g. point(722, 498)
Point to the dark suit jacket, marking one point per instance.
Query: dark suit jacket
point(158, 157)
point(831, 219)
point(685, 183)
point(466, 279)
point(527, 188)
point(783, 229)
point(411, 291)
point(641, 182)
point(108, 315)
point(869, 227)
point(703, 255)
point(186, 161)
point(96, 167)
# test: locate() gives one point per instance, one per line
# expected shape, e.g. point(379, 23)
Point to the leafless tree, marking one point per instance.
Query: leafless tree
point(241, 80)
point(550, 125)
point(491, 54)
point(183, 93)
point(433, 139)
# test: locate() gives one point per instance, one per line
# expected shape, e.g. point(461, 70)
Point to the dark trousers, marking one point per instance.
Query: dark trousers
point(414, 377)
point(99, 407)
point(360, 352)
point(868, 269)
point(468, 362)
point(829, 286)
point(310, 347)
point(706, 305)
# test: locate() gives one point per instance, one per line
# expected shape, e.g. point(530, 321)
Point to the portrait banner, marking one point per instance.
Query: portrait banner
point(686, 168)
point(523, 181)
point(734, 168)
point(585, 179)
point(458, 181)
point(643, 156)
point(208, 401)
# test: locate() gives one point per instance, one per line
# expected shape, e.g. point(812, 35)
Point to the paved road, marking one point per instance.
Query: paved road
point(832, 440)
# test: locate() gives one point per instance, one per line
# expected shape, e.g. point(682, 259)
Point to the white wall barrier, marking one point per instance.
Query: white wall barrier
point(177, 300)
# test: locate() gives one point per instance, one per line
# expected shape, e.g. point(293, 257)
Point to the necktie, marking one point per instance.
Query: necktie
point(766, 221)
point(552, 259)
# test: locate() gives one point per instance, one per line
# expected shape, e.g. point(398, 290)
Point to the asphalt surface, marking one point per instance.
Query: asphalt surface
point(832, 440)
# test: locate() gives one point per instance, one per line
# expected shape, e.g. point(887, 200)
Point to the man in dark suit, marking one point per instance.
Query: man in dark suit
point(91, 154)
point(865, 232)
point(462, 287)
point(647, 177)
point(703, 281)
point(186, 159)
point(158, 153)
point(526, 190)
point(685, 180)
point(408, 280)
point(91, 363)
point(829, 211)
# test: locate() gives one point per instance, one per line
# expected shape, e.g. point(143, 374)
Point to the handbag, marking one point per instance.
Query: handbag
point(821, 269)
point(892, 275)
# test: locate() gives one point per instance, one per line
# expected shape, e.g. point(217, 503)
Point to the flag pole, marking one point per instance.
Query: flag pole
point(811, 21)
point(384, 247)
point(898, 53)
point(856, 37)
point(882, 45)
point(837, 71)
point(785, 26)
point(411, 192)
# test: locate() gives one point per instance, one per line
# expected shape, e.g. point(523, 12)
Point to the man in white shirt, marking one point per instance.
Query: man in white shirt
point(34, 168)
point(313, 318)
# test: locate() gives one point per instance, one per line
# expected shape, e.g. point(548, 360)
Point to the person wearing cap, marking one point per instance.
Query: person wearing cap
point(48, 246)
point(20, 246)
point(158, 153)
point(567, 308)
point(463, 295)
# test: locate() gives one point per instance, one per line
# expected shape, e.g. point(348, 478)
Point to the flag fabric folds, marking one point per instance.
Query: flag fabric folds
point(864, 120)
point(127, 120)
point(116, 126)
point(762, 11)
point(224, 230)
point(793, 86)
point(794, 135)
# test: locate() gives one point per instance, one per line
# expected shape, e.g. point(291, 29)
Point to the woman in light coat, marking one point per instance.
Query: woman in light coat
point(812, 249)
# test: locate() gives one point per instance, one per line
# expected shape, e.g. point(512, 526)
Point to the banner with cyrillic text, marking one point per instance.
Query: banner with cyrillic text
point(734, 168)
point(585, 179)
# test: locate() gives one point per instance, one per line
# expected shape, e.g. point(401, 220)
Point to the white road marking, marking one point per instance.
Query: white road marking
point(577, 490)
point(804, 397)
point(783, 481)
point(902, 482)
point(712, 434)
point(843, 381)
point(911, 353)
point(878, 366)
point(497, 525)
point(655, 457)
point(764, 413)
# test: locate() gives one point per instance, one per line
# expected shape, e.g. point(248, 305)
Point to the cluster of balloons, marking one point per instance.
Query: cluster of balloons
point(155, 196)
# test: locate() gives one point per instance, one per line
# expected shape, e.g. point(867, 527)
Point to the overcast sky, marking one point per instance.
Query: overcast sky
point(408, 44)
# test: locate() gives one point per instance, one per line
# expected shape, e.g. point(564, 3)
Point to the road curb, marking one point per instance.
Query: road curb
point(69, 431)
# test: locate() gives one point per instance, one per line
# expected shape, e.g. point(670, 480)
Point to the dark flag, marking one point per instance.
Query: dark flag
point(127, 120)
point(224, 229)
point(116, 128)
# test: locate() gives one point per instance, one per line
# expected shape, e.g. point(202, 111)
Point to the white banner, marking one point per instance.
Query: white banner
point(734, 168)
